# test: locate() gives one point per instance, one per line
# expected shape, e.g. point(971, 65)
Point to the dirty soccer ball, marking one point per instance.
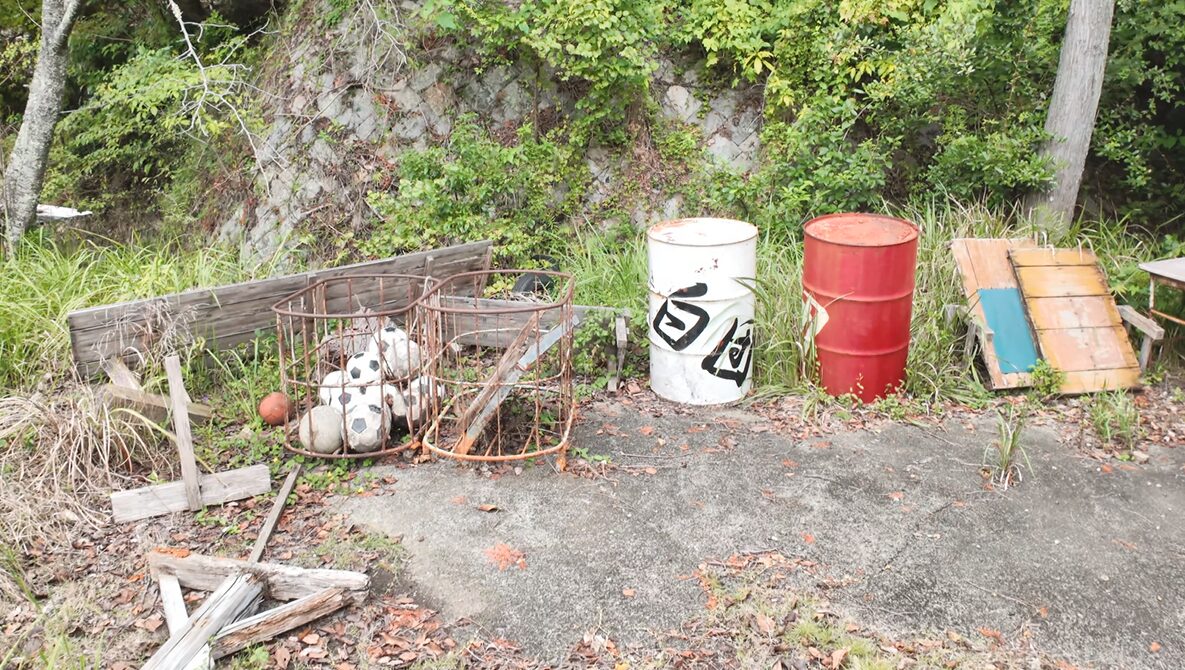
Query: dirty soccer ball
point(386, 342)
point(320, 430)
point(418, 398)
point(339, 393)
point(366, 425)
point(363, 367)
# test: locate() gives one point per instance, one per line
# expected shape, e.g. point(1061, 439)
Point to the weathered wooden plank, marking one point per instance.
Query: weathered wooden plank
point(269, 524)
point(151, 406)
point(1094, 381)
point(1062, 281)
point(281, 582)
point(983, 263)
point(269, 624)
point(176, 616)
point(230, 315)
point(180, 405)
point(120, 374)
point(216, 489)
point(1076, 312)
point(499, 330)
point(233, 596)
point(1078, 349)
point(1051, 256)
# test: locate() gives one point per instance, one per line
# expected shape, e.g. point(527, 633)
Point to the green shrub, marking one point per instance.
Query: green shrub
point(475, 188)
point(606, 45)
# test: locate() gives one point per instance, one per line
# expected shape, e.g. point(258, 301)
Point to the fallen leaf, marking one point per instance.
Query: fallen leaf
point(897, 495)
point(1043, 612)
point(150, 624)
point(808, 538)
point(176, 552)
point(764, 623)
point(1154, 647)
point(787, 463)
point(311, 638)
point(1107, 469)
point(459, 500)
point(837, 658)
point(504, 556)
point(629, 593)
point(282, 657)
point(646, 430)
point(487, 508)
point(991, 633)
point(650, 471)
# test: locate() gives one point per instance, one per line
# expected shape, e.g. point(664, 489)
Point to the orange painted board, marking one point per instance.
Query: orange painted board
point(1078, 349)
point(984, 263)
point(1061, 281)
point(1093, 381)
point(1051, 256)
point(1096, 311)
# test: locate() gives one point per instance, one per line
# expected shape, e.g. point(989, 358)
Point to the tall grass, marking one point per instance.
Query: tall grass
point(45, 280)
point(616, 275)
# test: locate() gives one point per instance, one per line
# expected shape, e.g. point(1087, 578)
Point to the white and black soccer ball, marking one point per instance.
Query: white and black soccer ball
point(340, 394)
point(367, 425)
point(418, 399)
point(363, 367)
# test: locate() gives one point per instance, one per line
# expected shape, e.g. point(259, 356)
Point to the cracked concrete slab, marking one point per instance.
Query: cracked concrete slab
point(1089, 563)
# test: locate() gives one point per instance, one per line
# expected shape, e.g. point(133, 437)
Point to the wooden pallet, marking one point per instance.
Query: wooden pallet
point(1078, 325)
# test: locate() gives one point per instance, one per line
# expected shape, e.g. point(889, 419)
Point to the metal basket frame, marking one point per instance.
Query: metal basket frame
point(303, 324)
point(516, 329)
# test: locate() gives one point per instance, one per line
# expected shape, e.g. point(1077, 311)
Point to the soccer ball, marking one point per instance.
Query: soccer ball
point(366, 426)
point(320, 430)
point(363, 367)
point(339, 393)
point(400, 354)
point(418, 399)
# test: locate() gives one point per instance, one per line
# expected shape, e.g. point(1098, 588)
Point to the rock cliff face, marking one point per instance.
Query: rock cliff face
point(344, 102)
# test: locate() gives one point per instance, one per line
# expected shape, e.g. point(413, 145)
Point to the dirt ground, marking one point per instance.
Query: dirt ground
point(685, 537)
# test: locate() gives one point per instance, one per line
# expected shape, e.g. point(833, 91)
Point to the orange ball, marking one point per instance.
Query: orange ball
point(275, 408)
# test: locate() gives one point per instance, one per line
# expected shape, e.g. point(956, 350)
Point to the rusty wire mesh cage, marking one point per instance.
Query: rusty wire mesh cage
point(351, 364)
point(500, 366)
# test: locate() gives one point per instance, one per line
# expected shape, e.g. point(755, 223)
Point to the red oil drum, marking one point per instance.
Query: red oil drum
point(858, 278)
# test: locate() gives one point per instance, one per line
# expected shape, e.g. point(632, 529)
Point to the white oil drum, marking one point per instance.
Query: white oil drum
point(701, 309)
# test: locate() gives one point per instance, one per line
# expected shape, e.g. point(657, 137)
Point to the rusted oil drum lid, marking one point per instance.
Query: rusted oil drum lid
point(861, 230)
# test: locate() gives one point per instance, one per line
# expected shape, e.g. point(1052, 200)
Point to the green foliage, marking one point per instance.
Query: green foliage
point(1115, 418)
point(1003, 457)
point(475, 188)
point(1047, 380)
point(132, 131)
point(606, 45)
point(45, 280)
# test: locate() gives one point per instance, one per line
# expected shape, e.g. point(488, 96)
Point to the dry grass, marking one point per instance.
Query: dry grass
point(61, 456)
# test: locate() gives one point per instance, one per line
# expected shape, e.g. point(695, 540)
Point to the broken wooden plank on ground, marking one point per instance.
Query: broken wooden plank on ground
point(281, 582)
point(233, 595)
point(269, 524)
point(216, 489)
point(151, 406)
point(119, 373)
point(266, 625)
point(176, 616)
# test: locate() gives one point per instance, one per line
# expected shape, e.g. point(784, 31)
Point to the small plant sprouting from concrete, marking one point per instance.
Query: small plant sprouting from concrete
point(1115, 418)
point(1003, 458)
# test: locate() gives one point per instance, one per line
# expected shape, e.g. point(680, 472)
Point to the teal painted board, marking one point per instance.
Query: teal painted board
point(1012, 338)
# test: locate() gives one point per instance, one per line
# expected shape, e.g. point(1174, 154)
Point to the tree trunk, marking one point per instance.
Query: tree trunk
point(1072, 110)
point(26, 165)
